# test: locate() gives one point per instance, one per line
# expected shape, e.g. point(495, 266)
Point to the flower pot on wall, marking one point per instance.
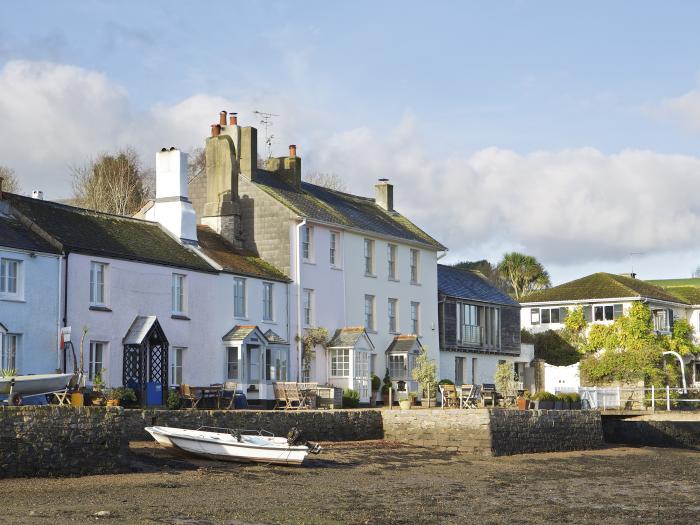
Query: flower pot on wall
point(545, 404)
point(405, 404)
point(576, 405)
point(522, 403)
point(112, 402)
point(558, 405)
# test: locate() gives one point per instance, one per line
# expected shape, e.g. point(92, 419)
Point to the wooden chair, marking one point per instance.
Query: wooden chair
point(186, 395)
point(471, 395)
point(488, 392)
point(227, 397)
point(293, 395)
point(449, 396)
point(280, 395)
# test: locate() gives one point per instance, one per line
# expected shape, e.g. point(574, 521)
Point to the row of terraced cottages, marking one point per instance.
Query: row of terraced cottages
point(224, 284)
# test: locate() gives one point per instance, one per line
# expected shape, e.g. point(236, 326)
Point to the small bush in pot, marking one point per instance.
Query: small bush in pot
point(404, 402)
point(120, 396)
point(561, 402)
point(523, 401)
point(376, 384)
point(173, 402)
point(387, 387)
point(351, 398)
point(544, 400)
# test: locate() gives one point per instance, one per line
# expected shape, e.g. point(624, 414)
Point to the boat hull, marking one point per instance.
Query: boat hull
point(35, 384)
point(223, 446)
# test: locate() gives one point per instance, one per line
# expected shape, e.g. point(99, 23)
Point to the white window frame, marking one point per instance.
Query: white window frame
point(370, 316)
point(176, 355)
point(415, 317)
point(233, 364)
point(307, 243)
point(10, 350)
point(392, 253)
point(396, 363)
point(240, 293)
point(268, 292)
point(604, 307)
point(308, 307)
point(6, 290)
point(276, 364)
point(415, 266)
point(339, 362)
point(178, 293)
point(393, 314)
point(99, 290)
point(471, 329)
point(369, 257)
point(93, 370)
point(334, 250)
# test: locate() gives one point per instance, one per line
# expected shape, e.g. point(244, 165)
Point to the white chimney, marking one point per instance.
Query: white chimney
point(38, 194)
point(172, 207)
point(384, 194)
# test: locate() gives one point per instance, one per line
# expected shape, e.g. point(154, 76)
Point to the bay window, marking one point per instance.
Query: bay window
point(340, 362)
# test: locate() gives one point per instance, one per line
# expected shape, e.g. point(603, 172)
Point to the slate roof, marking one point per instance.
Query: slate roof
point(104, 235)
point(139, 329)
point(601, 286)
point(240, 332)
point(233, 260)
point(336, 207)
point(14, 234)
point(273, 338)
point(347, 337)
point(470, 285)
point(403, 344)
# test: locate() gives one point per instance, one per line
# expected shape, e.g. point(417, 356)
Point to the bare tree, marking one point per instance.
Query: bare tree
point(115, 184)
point(10, 183)
point(196, 163)
point(332, 181)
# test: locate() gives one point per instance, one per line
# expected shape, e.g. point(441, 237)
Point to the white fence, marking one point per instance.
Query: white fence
point(632, 398)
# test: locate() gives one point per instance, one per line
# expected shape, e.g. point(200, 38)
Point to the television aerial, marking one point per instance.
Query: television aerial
point(266, 123)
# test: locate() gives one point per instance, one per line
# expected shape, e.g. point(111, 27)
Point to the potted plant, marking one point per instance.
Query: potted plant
point(523, 400)
point(575, 401)
point(561, 402)
point(119, 395)
point(404, 402)
point(543, 400)
point(413, 397)
point(351, 398)
point(376, 385)
point(98, 383)
point(387, 387)
point(425, 372)
point(505, 379)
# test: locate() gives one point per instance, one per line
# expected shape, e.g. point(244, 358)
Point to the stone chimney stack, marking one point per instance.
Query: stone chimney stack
point(384, 194)
point(288, 168)
point(172, 207)
point(224, 151)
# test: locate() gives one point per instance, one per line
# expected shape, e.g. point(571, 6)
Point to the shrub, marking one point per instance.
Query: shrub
point(425, 372)
point(376, 382)
point(173, 402)
point(351, 398)
point(387, 386)
point(123, 394)
point(446, 382)
point(554, 348)
point(543, 395)
point(505, 380)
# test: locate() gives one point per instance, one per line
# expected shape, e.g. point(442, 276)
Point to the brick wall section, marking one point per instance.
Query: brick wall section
point(66, 441)
point(316, 425)
point(526, 431)
point(453, 430)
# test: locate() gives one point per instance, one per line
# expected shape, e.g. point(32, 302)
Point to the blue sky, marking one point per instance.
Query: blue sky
point(590, 114)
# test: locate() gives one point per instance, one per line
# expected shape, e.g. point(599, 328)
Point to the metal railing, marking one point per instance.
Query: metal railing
point(621, 398)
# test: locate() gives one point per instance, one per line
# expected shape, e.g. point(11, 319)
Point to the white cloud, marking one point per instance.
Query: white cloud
point(684, 109)
point(567, 207)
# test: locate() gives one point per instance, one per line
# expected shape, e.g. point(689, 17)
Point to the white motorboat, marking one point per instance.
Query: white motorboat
point(34, 384)
point(234, 445)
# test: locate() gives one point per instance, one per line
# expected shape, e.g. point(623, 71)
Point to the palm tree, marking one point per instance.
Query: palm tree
point(523, 273)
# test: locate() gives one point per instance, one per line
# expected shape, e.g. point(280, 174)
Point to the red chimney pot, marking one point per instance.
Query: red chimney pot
point(292, 150)
point(222, 118)
point(233, 119)
point(215, 130)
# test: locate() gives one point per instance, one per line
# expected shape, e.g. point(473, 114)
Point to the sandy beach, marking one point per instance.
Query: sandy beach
point(374, 482)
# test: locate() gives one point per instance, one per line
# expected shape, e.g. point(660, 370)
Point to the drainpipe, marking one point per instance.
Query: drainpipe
point(65, 310)
point(58, 309)
point(298, 280)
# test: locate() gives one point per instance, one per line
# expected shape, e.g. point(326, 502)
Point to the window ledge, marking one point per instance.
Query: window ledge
point(241, 318)
point(312, 263)
point(180, 317)
point(339, 268)
point(394, 280)
point(11, 299)
point(372, 275)
point(269, 321)
point(95, 308)
point(371, 331)
point(415, 283)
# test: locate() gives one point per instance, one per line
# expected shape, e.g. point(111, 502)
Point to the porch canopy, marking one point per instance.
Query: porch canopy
point(145, 357)
point(245, 345)
point(401, 360)
point(350, 351)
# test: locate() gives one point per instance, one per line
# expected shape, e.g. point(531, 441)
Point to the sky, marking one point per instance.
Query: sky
point(569, 132)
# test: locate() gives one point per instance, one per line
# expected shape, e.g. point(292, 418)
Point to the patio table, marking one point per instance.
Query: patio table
point(208, 393)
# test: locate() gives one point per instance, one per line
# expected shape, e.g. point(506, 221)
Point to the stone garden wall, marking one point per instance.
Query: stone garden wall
point(669, 429)
point(496, 432)
point(60, 441)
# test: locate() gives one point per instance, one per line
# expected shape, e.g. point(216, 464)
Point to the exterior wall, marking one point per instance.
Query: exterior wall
point(144, 289)
point(486, 365)
point(562, 378)
point(357, 284)
point(35, 316)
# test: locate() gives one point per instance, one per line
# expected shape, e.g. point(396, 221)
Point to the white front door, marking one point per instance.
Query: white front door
point(362, 383)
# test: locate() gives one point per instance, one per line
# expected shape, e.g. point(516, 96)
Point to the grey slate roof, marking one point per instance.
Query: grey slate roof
point(139, 329)
point(240, 332)
point(13, 234)
point(404, 344)
point(104, 235)
point(273, 338)
point(335, 207)
point(470, 285)
point(347, 337)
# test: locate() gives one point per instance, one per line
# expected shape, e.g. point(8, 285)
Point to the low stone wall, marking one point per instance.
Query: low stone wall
point(316, 425)
point(60, 441)
point(658, 430)
point(496, 432)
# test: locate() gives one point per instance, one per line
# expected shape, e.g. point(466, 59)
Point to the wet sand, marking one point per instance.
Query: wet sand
point(375, 482)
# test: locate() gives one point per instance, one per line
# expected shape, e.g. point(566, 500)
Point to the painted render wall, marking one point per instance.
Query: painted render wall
point(145, 289)
point(35, 315)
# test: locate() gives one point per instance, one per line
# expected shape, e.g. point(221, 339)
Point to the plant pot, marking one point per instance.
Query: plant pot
point(77, 399)
point(112, 402)
point(545, 404)
point(405, 404)
point(576, 405)
point(385, 400)
point(522, 403)
point(566, 405)
point(431, 403)
point(558, 405)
